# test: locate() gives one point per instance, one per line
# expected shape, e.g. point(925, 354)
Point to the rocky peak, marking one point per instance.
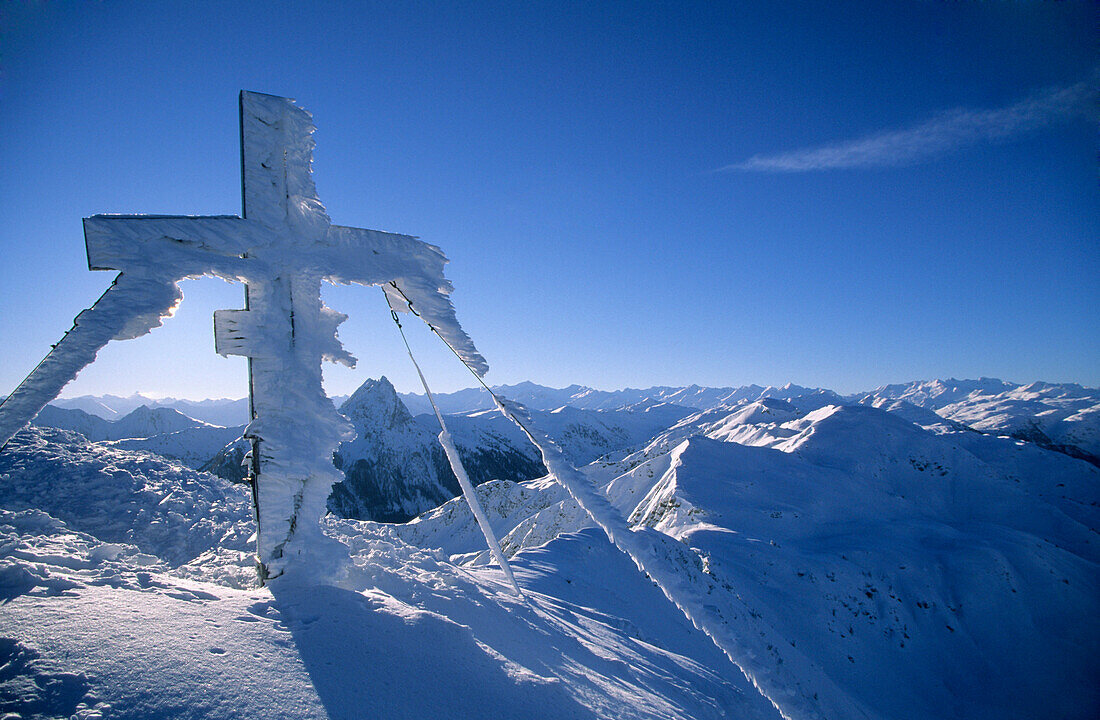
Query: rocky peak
point(375, 404)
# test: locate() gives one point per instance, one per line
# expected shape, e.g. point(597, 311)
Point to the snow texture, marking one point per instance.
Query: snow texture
point(927, 573)
point(129, 634)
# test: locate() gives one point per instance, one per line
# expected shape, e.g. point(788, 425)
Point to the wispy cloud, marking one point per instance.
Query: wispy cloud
point(945, 132)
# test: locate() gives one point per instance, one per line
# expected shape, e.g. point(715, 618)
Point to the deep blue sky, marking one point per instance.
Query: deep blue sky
point(605, 177)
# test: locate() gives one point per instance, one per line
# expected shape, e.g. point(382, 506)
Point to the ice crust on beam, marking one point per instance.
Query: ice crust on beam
point(112, 317)
point(237, 250)
point(277, 151)
point(297, 426)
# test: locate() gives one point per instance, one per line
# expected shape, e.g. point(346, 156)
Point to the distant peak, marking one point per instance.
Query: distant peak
point(142, 411)
point(374, 402)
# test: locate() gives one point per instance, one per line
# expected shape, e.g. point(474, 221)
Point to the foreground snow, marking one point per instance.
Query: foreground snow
point(406, 635)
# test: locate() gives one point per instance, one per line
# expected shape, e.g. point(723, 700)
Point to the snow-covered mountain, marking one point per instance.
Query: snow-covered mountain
point(935, 394)
point(141, 422)
point(395, 468)
point(1059, 416)
point(585, 435)
point(909, 564)
point(144, 421)
point(161, 430)
point(540, 397)
point(224, 412)
point(90, 426)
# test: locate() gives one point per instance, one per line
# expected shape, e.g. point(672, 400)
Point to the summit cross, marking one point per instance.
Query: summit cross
point(282, 246)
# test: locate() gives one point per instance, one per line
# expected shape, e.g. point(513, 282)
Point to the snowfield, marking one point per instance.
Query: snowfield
point(873, 557)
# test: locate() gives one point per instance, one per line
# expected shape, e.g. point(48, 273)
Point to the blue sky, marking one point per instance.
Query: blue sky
point(838, 195)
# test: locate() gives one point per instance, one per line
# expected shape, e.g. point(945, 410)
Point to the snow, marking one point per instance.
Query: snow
point(161, 430)
point(930, 587)
point(805, 694)
point(538, 397)
point(851, 553)
point(1062, 416)
point(225, 412)
point(194, 447)
point(162, 509)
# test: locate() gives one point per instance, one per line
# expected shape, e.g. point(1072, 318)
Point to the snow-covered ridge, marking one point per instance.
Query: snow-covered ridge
point(540, 397)
point(1061, 416)
point(142, 422)
point(223, 411)
point(161, 430)
point(134, 631)
point(864, 544)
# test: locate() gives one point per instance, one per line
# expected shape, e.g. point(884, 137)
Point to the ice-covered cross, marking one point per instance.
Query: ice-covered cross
point(282, 246)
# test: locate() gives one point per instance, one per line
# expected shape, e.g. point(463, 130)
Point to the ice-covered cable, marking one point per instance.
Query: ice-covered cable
point(460, 470)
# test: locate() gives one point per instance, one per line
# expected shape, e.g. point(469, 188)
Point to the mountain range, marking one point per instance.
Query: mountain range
point(1064, 417)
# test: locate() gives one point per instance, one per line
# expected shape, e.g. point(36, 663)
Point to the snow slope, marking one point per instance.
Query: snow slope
point(875, 555)
point(194, 447)
point(927, 574)
point(133, 628)
point(165, 511)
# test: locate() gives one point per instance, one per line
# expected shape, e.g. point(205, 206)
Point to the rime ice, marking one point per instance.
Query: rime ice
point(282, 247)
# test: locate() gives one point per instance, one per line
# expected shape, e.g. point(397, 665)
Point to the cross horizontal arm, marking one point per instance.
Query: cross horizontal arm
point(372, 257)
point(176, 245)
